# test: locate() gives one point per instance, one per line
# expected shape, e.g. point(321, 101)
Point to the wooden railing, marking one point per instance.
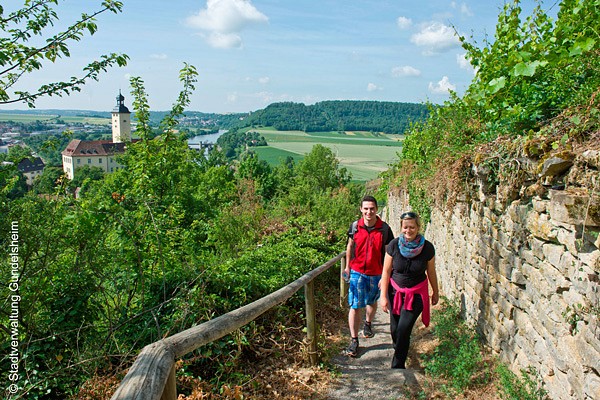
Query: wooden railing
point(152, 375)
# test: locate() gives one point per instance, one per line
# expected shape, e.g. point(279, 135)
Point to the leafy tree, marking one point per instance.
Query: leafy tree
point(236, 141)
point(320, 169)
point(87, 172)
point(18, 153)
point(250, 167)
point(123, 257)
point(84, 176)
point(13, 184)
point(18, 58)
point(48, 181)
point(285, 175)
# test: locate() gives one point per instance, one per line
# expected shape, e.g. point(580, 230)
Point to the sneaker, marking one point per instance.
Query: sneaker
point(352, 349)
point(367, 331)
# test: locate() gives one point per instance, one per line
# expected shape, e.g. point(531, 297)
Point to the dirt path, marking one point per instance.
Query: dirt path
point(369, 376)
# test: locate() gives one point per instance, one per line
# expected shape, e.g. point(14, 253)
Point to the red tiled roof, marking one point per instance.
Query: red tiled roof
point(90, 148)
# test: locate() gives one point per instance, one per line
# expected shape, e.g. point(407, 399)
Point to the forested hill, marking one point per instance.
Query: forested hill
point(339, 115)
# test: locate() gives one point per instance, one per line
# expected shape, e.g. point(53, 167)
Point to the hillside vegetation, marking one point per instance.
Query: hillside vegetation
point(534, 95)
point(171, 241)
point(339, 115)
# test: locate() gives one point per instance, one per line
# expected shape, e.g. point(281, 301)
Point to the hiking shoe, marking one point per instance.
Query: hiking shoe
point(352, 349)
point(367, 331)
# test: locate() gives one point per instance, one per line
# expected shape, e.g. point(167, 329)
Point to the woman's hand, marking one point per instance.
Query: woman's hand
point(435, 298)
point(384, 304)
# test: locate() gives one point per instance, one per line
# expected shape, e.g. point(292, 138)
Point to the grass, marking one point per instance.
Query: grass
point(363, 154)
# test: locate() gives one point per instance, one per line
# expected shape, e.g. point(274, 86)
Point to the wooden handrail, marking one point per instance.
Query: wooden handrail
point(155, 365)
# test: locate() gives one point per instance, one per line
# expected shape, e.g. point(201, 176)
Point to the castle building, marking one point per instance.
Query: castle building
point(100, 153)
point(121, 122)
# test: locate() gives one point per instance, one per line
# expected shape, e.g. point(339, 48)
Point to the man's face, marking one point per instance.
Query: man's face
point(369, 212)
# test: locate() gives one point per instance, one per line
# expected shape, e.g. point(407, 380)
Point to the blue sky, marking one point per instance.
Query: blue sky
point(250, 53)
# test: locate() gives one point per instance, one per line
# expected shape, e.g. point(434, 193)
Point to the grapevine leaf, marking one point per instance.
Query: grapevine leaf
point(527, 69)
point(497, 84)
point(581, 46)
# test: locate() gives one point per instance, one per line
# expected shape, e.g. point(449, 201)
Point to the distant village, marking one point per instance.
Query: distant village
point(93, 153)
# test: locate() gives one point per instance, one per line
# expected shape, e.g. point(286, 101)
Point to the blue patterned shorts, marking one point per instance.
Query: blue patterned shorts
point(364, 289)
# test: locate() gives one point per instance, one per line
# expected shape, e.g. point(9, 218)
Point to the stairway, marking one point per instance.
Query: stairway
point(369, 376)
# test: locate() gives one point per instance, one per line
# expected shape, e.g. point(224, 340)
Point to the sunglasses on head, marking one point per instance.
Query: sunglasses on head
point(408, 215)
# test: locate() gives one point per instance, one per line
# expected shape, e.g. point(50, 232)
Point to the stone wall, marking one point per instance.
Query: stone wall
point(527, 276)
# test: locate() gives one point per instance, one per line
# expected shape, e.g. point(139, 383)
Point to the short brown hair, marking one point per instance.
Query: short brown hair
point(369, 199)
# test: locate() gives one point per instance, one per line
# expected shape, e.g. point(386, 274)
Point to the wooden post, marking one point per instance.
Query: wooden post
point(311, 323)
point(170, 392)
point(343, 283)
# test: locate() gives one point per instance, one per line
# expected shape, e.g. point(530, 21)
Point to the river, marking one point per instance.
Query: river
point(194, 141)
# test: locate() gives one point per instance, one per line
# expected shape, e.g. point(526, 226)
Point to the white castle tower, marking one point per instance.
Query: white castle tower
point(121, 122)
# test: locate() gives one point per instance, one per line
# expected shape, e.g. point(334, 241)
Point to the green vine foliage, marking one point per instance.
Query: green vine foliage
point(533, 69)
point(537, 67)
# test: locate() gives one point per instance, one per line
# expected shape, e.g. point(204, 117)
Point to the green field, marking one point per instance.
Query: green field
point(274, 156)
point(49, 117)
point(364, 154)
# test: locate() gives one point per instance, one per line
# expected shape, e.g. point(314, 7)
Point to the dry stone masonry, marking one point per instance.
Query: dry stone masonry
point(527, 275)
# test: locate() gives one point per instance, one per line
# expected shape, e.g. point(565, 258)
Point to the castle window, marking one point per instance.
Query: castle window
point(79, 161)
point(89, 160)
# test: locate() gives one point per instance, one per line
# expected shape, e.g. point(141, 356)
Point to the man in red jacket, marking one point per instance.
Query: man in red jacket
point(367, 239)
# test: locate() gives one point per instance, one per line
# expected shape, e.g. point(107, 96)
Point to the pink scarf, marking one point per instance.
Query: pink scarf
point(422, 289)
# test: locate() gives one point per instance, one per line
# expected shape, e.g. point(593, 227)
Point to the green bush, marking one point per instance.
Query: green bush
point(458, 354)
point(526, 387)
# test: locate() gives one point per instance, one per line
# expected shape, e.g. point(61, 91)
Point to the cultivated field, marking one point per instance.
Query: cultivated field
point(364, 154)
point(53, 117)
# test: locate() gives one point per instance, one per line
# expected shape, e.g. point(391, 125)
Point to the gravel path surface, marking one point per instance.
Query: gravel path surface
point(369, 376)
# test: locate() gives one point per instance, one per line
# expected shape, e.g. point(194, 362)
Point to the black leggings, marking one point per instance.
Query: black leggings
point(400, 327)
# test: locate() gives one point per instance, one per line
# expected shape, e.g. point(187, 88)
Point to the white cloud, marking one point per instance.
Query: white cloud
point(442, 87)
point(404, 23)
point(435, 38)
point(371, 87)
point(161, 56)
point(405, 70)
point(466, 10)
point(264, 80)
point(224, 40)
point(224, 20)
point(265, 97)
point(232, 97)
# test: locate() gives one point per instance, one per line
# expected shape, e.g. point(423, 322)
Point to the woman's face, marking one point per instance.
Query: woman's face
point(410, 229)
